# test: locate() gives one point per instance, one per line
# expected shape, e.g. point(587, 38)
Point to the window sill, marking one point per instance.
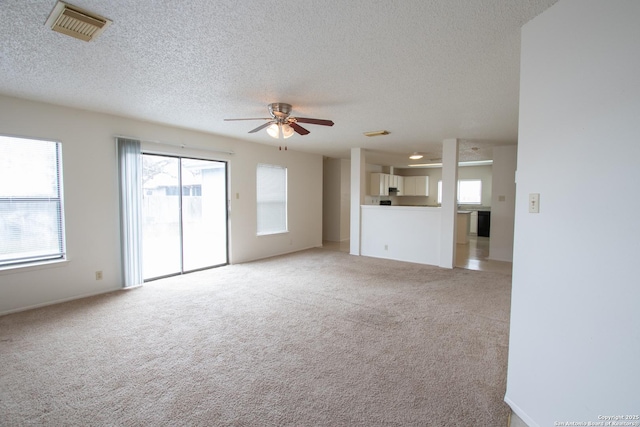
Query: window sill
point(273, 234)
point(44, 265)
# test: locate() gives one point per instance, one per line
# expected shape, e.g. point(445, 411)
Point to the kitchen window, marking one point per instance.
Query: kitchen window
point(469, 192)
point(31, 208)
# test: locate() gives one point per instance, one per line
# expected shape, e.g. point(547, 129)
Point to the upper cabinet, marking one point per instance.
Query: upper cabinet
point(379, 184)
point(406, 185)
point(416, 186)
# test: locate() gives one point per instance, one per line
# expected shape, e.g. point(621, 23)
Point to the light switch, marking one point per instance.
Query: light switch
point(534, 202)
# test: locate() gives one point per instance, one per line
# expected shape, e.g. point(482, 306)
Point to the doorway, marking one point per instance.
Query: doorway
point(184, 215)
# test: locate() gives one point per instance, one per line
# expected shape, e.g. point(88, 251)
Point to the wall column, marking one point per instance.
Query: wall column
point(358, 190)
point(449, 203)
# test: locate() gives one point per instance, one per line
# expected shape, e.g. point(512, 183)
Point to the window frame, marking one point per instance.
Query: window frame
point(60, 255)
point(461, 181)
point(259, 202)
point(439, 200)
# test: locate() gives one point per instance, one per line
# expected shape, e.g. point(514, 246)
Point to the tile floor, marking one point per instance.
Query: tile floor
point(472, 256)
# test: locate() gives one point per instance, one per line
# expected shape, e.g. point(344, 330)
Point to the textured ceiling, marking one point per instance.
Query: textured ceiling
point(423, 70)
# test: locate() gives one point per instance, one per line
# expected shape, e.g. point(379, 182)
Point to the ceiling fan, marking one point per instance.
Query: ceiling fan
point(282, 125)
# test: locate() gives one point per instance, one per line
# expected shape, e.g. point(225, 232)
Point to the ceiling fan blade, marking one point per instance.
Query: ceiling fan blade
point(261, 118)
point(262, 126)
point(298, 128)
point(314, 121)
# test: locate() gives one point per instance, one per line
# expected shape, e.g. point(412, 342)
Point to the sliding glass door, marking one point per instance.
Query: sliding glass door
point(184, 215)
point(204, 214)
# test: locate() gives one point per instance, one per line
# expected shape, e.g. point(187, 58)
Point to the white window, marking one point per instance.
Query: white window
point(469, 192)
point(271, 199)
point(31, 211)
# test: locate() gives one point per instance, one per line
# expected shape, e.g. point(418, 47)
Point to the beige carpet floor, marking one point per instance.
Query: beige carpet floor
point(316, 338)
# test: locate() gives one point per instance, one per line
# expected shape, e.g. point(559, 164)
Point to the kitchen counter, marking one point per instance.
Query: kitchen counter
point(403, 233)
point(401, 207)
point(407, 233)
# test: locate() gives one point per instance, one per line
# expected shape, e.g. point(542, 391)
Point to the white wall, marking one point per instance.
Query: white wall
point(336, 199)
point(503, 202)
point(402, 233)
point(574, 348)
point(91, 197)
point(331, 196)
point(345, 199)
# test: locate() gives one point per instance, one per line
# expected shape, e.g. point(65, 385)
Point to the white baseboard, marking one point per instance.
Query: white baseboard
point(59, 301)
point(518, 417)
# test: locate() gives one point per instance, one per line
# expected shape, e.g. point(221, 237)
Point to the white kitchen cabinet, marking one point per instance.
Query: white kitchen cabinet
point(409, 186)
point(416, 186)
point(397, 182)
point(463, 227)
point(400, 185)
point(422, 185)
point(379, 184)
point(473, 223)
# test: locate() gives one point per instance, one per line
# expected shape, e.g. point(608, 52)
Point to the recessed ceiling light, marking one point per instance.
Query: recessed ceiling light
point(377, 133)
point(416, 156)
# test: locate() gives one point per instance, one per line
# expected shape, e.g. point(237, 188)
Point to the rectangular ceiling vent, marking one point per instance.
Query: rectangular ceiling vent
point(76, 22)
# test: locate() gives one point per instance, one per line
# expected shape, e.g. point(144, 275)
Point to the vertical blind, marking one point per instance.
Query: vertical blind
point(31, 208)
point(130, 180)
point(271, 199)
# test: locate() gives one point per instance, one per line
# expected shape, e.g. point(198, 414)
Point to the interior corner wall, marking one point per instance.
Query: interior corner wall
point(345, 199)
point(503, 203)
point(91, 197)
point(574, 341)
point(331, 199)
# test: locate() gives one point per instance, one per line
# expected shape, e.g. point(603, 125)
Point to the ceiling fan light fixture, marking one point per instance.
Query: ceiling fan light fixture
point(287, 131)
point(274, 131)
point(416, 156)
point(280, 130)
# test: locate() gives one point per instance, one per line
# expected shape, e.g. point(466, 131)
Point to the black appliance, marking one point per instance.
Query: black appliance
point(484, 223)
point(385, 202)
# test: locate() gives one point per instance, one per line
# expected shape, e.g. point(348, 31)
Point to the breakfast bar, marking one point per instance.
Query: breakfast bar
point(403, 233)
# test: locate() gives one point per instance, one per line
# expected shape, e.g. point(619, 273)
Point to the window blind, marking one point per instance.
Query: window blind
point(31, 208)
point(271, 199)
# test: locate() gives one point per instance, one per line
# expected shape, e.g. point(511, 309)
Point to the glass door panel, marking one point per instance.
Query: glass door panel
point(204, 214)
point(161, 228)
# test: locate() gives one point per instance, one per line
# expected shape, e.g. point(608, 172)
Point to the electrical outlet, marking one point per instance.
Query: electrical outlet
point(386, 247)
point(534, 203)
point(98, 275)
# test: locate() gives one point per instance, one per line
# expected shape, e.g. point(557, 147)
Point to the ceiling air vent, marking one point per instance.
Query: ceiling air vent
point(76, 22)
